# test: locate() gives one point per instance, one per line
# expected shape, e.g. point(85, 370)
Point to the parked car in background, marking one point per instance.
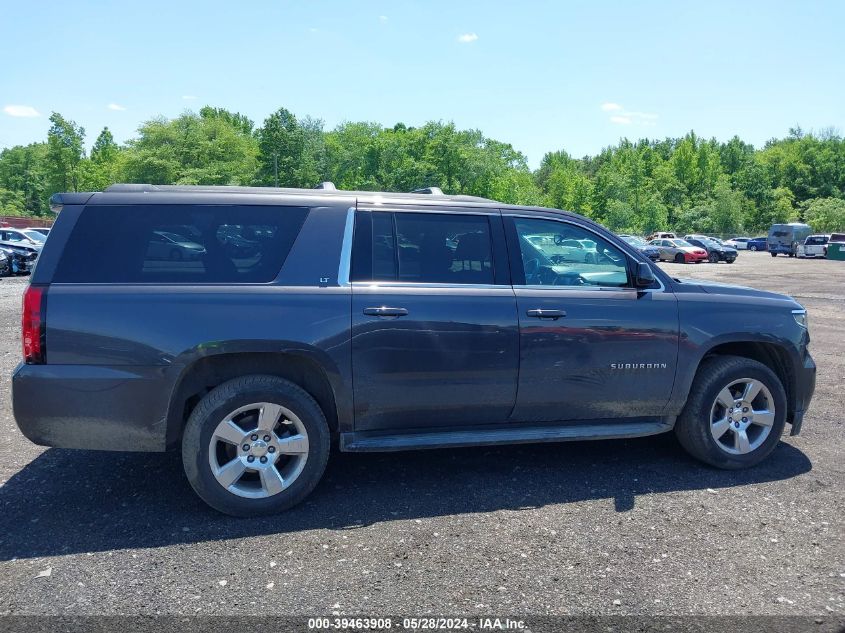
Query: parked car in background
point(679, 251)
point(715, 251)
point(644, 247)
point(785, 238)
point(22, 237)
point(814, 246)
point(661, 235)
point(173, 247)
point(758, 244)
point(739, 243)
point(21, 260)
point(44, 230)
point(562, 250)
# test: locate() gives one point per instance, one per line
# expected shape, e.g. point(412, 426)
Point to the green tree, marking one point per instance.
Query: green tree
point(65, 152)
point(192, 150)
point(23, 170)
point(281, 145)
point(825, 215)
point(12, 203)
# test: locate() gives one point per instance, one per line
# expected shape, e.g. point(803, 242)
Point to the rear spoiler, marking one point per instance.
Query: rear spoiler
point(59, 200)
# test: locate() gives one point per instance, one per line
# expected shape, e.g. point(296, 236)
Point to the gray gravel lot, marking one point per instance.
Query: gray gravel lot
point(632, 527)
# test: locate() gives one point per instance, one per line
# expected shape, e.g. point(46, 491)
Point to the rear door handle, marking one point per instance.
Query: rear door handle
point(546, 314)
point(384, 311)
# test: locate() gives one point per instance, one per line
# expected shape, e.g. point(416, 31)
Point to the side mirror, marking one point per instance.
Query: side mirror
point(644, 275)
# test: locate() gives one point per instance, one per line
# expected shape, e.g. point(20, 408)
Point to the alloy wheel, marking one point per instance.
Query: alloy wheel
point(742, 416)
point(258, 450)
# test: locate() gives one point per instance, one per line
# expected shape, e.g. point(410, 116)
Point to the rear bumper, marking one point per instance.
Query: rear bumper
point(805, 385)
point(92, 407)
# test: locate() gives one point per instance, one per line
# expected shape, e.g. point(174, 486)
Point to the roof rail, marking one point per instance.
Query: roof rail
point(328, 185)
point(434, 191)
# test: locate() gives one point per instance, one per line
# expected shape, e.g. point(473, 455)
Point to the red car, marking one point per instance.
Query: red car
point(679, 251)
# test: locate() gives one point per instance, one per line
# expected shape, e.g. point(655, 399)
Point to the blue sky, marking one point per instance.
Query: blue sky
point(541, 75)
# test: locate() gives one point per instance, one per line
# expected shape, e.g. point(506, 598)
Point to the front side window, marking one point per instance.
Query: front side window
point(561, 254)
point(423, 248)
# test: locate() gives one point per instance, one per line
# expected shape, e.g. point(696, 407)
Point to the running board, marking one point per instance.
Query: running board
point(514, 433)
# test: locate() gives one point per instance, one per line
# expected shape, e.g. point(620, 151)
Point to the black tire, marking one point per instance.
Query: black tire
point(774, 254)
point(224, 399)
point(693, 425)
point(713, 258)
point(679, 258)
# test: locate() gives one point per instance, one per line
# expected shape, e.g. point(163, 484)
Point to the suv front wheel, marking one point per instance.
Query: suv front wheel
point(735, 413)
point(255, 445)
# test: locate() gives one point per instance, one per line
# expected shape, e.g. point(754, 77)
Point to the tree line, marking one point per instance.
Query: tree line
point(688, 184)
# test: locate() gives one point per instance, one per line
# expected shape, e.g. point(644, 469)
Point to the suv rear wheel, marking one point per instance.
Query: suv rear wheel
point(255, 445)
point(735, 413)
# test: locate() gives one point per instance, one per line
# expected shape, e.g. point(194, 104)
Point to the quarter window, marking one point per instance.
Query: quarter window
point(180, 244)
point(561, 254)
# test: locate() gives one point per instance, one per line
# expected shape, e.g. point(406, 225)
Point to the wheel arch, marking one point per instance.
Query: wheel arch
point(775, 356)
point(207, 372)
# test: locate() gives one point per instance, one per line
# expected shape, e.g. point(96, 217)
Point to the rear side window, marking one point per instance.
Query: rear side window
point(179, 244)
point(423, 248)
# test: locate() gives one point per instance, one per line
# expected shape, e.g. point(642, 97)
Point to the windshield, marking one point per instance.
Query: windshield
point(35, 236)
point(681, 243)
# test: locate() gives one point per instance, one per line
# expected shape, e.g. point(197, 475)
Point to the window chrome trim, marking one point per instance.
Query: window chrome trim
point(662, 288)
point(423, 285)
point(346, 249)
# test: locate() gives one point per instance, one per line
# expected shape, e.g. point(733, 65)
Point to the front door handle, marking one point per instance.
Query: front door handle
point(384, 311)
point(546, 314)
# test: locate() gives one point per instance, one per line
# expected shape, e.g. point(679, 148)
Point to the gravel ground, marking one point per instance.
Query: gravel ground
point(611, 527)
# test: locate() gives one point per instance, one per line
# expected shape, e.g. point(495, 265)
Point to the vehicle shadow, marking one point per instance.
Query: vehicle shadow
point(68, 501)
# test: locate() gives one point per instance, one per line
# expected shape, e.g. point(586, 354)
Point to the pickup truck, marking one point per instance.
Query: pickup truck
point(373, 321)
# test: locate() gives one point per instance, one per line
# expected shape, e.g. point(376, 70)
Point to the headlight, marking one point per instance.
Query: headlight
point(800, 317)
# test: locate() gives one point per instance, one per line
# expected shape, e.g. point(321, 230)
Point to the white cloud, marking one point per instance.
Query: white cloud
point(21, 111)
point(611, 107)
point(621, 116)
point(467, 38)
point(116, 107)
point(382, 18)
point(188, 97)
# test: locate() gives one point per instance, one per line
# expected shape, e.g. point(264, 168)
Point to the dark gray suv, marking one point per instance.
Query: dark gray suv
point(256, 328)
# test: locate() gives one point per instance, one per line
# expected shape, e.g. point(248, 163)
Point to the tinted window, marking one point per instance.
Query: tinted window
point(444, 248)
point(384, 247)
point(550, 256)
point(179, 244)
point(423, 248)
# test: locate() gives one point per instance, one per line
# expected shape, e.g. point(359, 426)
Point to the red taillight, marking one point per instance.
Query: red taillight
point(32, 324)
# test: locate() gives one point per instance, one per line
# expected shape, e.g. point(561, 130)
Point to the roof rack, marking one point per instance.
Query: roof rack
point(434, 191)
point(324, 188)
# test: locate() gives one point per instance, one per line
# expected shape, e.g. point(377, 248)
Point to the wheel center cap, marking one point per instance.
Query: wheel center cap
point(259, 448)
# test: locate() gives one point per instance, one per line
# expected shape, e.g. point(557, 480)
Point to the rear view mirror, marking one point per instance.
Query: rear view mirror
point(644, 275)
